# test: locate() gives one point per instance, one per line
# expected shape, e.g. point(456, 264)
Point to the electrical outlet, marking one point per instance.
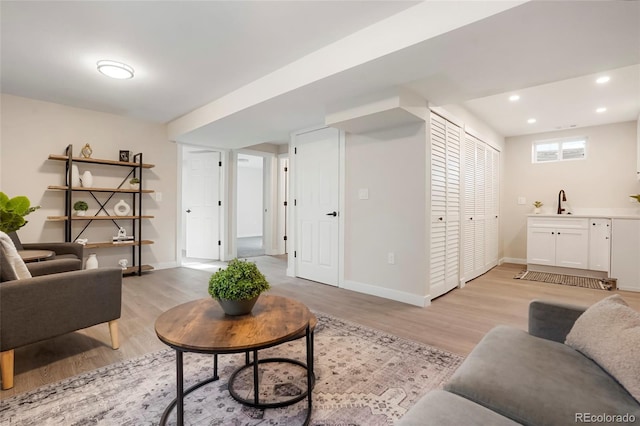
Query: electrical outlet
point(522, 201)
point(158, 196)
point(391, 258)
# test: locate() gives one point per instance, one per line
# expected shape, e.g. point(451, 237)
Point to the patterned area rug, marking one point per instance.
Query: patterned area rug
point(563, 279)
point(363, 377)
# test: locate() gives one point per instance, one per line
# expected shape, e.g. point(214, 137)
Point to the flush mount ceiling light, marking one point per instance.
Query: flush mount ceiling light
point(601, 109)
point(531, 120)
point(115, 69)
point(514, 98)
point(603, 79)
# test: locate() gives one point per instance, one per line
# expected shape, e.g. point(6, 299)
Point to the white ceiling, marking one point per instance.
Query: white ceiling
point(188, 54)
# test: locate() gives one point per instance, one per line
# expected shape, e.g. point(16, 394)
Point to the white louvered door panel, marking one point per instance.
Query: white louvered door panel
point(438, 206)
point(492, 208)
point(453, 206)
point(468, 231)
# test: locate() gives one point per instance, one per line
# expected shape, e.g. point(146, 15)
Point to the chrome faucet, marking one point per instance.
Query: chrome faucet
point(560, 200)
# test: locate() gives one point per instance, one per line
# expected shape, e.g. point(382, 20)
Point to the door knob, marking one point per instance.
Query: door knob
point(334, 214)
point(188, 210)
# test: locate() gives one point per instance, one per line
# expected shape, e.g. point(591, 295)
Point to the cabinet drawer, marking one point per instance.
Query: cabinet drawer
point(561, 222)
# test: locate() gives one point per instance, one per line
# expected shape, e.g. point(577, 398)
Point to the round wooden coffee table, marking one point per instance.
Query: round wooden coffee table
point(201, 326)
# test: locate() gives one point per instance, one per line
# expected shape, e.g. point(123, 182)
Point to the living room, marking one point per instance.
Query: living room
point(36, 126)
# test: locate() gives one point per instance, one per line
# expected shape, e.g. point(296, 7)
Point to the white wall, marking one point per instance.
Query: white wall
point(31, 130)
point(250, 201)
point(391, 165)
point(601, 182)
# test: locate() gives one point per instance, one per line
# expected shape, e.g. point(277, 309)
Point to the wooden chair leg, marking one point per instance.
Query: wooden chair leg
point(113, 330)
point(6, 368)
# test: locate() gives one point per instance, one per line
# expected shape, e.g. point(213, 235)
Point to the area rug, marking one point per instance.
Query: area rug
point(363, 377)
point(563, 279)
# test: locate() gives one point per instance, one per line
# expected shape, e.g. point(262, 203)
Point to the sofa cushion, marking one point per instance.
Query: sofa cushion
point(12, 267)
point(55, 266)
point(440, 408)
point(609, 333)
point(536, 381)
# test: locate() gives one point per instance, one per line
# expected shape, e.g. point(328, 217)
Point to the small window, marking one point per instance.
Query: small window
point(559, 150)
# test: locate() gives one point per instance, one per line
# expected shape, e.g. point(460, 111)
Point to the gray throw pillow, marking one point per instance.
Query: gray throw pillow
point(609, 333)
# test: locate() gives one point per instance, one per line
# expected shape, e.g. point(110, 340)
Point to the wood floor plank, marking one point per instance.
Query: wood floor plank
point(455, 322)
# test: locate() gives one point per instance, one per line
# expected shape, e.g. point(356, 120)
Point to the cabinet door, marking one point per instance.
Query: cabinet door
point(625, 253)
point(572, 248)
point(599, 244)
point(541, 246)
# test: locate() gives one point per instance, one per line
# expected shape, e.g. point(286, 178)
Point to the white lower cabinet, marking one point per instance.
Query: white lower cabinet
point(625, 253)
point(558, 242)
point(600, 244)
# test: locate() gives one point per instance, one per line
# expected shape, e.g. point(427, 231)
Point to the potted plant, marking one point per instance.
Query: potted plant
point(134, 183)
point(80, 208)
point(238, 286)
point(12, 212)
point(537, 205)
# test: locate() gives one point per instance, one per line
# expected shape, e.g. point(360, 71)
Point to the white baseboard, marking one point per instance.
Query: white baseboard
point(513, 260)
point(165, 265)
point(387, 293)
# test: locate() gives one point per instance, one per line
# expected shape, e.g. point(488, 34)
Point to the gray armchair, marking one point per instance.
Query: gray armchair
point(68, 256)
point(42, 307)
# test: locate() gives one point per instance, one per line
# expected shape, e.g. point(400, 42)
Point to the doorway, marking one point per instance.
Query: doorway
point(250, 206)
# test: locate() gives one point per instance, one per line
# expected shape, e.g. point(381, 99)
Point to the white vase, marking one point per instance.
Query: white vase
point(87, 179)
point(92, 262)
point(75, 175)
point(536, 210)
point(121, 208)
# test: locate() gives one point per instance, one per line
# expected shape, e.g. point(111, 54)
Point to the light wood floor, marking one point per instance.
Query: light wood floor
point(454, 322)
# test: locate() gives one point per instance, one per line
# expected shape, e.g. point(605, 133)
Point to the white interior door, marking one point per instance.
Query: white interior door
point(201, 192)
point(316, 203)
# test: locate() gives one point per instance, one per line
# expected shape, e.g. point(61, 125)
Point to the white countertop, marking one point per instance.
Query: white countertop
point(589, 216)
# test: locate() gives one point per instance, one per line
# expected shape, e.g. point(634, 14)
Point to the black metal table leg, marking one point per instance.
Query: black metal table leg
point(215, 367)
point(180, 387)
point(256, 385)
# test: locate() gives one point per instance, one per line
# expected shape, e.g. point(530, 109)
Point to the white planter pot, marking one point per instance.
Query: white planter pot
point(81, 212)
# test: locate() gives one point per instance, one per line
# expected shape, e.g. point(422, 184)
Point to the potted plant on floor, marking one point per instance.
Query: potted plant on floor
point(80, 208)
point(238, 286)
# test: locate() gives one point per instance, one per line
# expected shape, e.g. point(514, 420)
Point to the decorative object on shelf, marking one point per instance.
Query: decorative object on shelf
point(87, 179)
point(86, 151)
point(80, 208)
point(123, 263)
point(75, 176)
point(238, 286)
point(134, 183)
point(124, 156)
point(636, 196)
point(537, 205)
point(122, 236)
point(12, 212)
point(92, 262)
point(121, 208)
point(82, 241)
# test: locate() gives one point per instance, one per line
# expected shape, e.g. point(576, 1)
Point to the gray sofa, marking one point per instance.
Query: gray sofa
point(68, 256)
point(513, 377)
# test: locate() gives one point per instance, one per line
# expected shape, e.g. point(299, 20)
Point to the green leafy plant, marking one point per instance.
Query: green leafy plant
point(80, 206)
point(133, 181)
point(637, 197)
point(537, 204)
point(240, 280)
point(12, 212)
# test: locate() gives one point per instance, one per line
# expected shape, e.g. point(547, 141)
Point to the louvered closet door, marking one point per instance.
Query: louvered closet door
point(492, 207)
point(445, 205)
point(481, 206)
point(468, 231)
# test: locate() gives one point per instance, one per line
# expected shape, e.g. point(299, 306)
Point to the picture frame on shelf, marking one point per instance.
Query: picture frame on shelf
point(125, 155)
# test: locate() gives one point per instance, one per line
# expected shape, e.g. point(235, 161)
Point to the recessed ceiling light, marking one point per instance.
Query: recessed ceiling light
point(603, 79)
point(531, 120)
point(115, 69)
point(601, 109)
point(514, 98)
